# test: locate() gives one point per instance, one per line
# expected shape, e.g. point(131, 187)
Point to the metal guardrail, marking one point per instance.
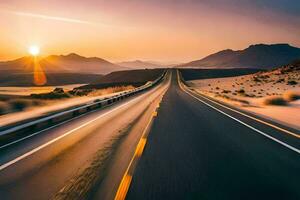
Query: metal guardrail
point(39, 124)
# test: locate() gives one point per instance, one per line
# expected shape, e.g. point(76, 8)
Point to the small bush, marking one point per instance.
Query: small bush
point(50, 95)
point(241, 91)
point(110, 90)
point(291, 96)
point(292, 83)
point(58, 90)
point(275, 100)
point(226, 91)
point(280, 80)
point(256, 79)
point(20, 104)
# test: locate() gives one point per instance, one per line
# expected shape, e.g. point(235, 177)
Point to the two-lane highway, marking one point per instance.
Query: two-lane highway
point(199, 150)
point(68, 161)
point(195, 149)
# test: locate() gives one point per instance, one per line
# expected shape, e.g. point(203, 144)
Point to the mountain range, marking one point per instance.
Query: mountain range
point(261, 56)
point(138, 64)
point(71, 63)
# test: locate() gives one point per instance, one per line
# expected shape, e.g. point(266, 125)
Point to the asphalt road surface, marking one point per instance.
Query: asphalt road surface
point(66, 159)
point(195, 151)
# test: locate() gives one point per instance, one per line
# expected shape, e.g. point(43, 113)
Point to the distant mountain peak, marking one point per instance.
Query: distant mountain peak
point(254, 56)
point(139, 64)
point(227, 50)
point(74, 56)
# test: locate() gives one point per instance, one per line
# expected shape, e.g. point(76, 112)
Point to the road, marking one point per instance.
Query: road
point(70, 160)
point(199, 150)
point(194, 149)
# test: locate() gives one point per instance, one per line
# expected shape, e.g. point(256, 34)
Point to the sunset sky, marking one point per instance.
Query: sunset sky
point(161, 30)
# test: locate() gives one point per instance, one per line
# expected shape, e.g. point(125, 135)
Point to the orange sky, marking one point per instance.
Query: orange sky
point(149, 30)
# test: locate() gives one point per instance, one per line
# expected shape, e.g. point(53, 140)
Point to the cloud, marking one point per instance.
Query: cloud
point(48, 17)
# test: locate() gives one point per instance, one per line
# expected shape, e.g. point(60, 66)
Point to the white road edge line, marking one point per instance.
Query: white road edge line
point(243, 123)
point(46, 129)
point(62, 136)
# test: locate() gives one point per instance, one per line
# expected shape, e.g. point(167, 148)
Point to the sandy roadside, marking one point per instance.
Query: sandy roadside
point(53, 107)
point(248, 93)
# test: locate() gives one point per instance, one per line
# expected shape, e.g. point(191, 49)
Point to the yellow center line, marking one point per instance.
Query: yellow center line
point(140, 147)
point(126, 180)
point(122, 191)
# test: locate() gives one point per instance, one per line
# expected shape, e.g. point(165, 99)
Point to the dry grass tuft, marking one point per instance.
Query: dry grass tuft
point(22, 104)
point(291, 96)
point(110, 90)
point(275, 100)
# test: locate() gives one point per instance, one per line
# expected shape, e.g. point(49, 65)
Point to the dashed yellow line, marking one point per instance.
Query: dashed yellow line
point(140, 147)
point(126, 180)
point(124, 186)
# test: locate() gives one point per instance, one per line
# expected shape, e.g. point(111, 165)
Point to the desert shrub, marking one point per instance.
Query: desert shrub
point(264, 76)
point(57, 93)
point(291, 96)
point(58, 90)
point(4, 107)
point(50, 95)
point(110, 90)
point(292, 82)
point(275, 100)
point(256, 79)
point(241, 91)
point(226, 91)
point(280, 80)
point(217, 88)
point(20, 104)
point(80, 92)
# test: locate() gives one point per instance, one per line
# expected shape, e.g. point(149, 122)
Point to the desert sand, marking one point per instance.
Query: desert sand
point(251, 92)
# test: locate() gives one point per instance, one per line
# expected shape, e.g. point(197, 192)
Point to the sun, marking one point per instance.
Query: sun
point(34, 50)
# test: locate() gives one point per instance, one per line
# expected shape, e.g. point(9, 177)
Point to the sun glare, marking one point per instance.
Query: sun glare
point(34, 50)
